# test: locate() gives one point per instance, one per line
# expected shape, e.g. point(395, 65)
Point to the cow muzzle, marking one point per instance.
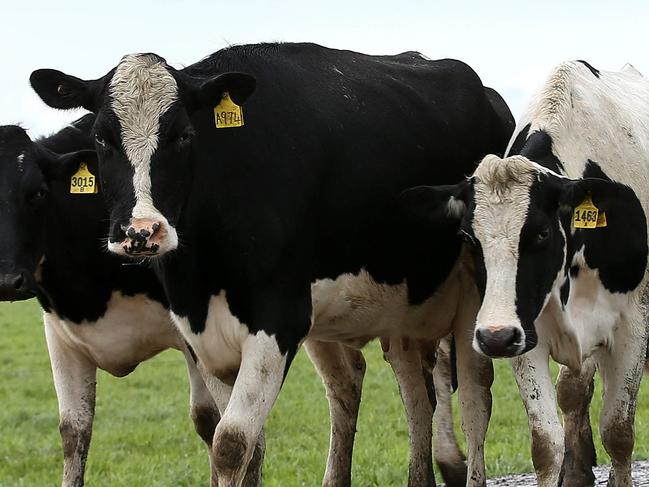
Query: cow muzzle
point(144, 237)
point(15, 286)
point(499, 341)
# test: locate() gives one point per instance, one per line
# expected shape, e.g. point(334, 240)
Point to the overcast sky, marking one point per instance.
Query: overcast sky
point(511, 44)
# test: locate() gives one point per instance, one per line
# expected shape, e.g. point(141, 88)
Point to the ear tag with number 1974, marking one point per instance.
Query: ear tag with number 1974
point(227, 113)
point(83, 181)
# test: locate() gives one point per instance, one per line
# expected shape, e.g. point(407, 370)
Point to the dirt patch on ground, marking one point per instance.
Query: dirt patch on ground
point(640, 477)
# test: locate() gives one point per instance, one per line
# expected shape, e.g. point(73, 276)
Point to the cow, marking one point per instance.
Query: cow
point(276, 221)
point(558, 232)
point(81, 335)
point(98, 313)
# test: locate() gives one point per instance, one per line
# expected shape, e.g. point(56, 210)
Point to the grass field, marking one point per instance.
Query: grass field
point(143, 434)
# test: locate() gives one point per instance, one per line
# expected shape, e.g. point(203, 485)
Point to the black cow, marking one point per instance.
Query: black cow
point(284, 223)
point(99, 313)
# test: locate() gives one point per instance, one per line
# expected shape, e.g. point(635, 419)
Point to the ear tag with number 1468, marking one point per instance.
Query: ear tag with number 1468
point(83, 181)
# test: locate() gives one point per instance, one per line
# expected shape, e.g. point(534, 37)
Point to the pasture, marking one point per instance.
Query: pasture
point(143, 434)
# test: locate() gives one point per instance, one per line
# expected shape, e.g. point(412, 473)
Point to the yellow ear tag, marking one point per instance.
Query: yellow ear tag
point(227, 113)
point(83, 182)
point(587, 215)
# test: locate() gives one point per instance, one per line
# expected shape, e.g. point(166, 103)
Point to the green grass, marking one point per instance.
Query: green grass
point(143, 435)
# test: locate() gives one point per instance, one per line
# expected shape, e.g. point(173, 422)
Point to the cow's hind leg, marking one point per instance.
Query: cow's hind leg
point(341, 369)
point(621, 370)
point(74, 380)
point(418, 395)
point(574, 393)
point(448, 456)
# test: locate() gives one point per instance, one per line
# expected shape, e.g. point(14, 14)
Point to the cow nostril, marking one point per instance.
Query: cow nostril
point(18, 282)
point(498, 341)
point(516, 336)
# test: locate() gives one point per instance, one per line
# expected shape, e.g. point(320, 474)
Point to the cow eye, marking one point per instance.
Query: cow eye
point(40, 194)
point(185, 138)
point(543, 235)
point(100, 141)
point(467, 237)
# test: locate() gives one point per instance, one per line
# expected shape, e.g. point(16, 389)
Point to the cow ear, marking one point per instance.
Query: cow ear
point(199, 94)
point(60, 90)
point(600, 190)
point(62, 166)
point(435, 203)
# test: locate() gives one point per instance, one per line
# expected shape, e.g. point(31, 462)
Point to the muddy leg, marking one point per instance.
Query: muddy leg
point(574, 393)
point(74, 381)
point(448, 456)
point(341, 370)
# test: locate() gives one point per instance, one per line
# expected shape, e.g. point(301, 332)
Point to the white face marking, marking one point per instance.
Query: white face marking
point(20, 159)
point(501, 207)
point(142, 90)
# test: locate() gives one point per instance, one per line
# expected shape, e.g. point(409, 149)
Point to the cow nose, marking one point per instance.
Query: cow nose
point(502, 341)
point(141, 236)
point(14, 286)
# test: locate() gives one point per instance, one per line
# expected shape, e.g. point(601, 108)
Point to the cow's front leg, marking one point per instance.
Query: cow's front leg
point(475, 377)
point(532, 373)
point(418, 396)
point(203, 409)
point(574, 393)
point(221, 393)
point(448, 456)
point(342, 370)
point(255, 390)
point(74, 380)
point(621, 370)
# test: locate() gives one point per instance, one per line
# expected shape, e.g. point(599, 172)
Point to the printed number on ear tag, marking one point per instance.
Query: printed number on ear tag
point(227, 113)
point(587, 215)
point(83, 181)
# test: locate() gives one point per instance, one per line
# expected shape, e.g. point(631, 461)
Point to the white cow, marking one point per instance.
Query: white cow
point(558, 231)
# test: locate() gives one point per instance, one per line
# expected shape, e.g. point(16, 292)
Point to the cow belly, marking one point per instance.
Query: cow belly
point(355, 309)
point(352, 309)
point(133, 329)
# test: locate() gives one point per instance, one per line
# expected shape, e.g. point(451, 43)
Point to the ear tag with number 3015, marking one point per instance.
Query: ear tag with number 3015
point(228, 114)
point(83, 181)
point(587, 215)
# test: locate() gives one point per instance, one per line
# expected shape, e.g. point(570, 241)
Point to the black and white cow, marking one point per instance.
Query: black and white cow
point(99, 313)
point(36, 262)
point(558, 231)
point(288, 226)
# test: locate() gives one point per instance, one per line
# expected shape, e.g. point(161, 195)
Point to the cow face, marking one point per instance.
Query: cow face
point(145, 140)
point(515, 216)
point(26, 170)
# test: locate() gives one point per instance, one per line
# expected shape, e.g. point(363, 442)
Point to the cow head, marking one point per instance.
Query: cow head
point(515, 216)
point(26, 171)
point(144, 138)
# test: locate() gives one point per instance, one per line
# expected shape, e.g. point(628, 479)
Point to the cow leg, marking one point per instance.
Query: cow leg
point(74, 381)
point(475, 376)
point(621, 370)
point(341, 369)
point(532, 373)
point(574, 393)
point(418, 396)
point(255, 390)
point(221, 393)
point(203, 409)
point(448, 456)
